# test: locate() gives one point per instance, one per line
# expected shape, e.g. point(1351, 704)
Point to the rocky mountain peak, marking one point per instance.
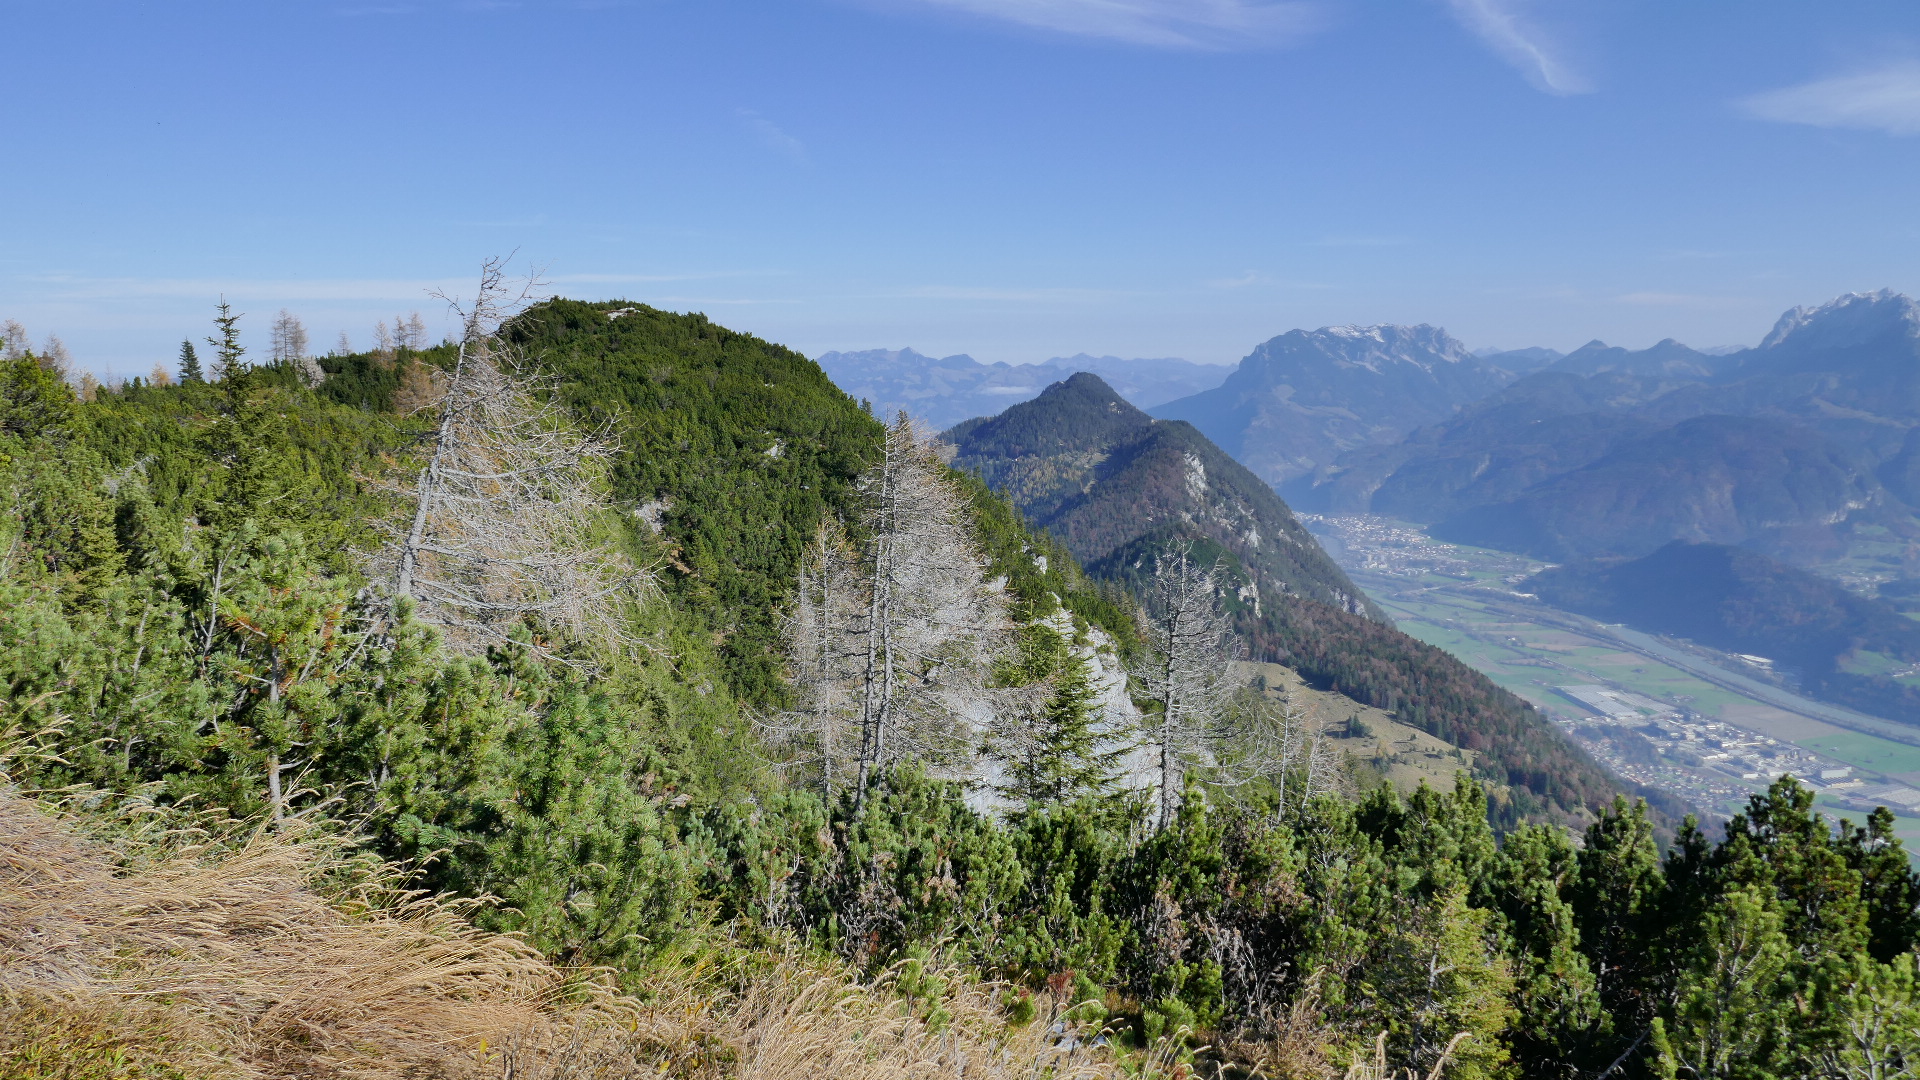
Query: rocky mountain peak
point(1375, 348)
point(1848, 322)
point(1076, 414)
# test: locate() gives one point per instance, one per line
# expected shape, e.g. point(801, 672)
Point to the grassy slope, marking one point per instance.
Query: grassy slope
point(281, 958)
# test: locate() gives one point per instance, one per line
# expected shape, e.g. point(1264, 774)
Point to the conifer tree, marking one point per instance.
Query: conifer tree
point(1731, 1011)
point(247, 442)
point(1616, 898)
point(227, 347)
point(1888, 885)
point(1560, 1014)
point(190, 364)
point(1062, 754)
point(1864, 1023)
point(1444, 997)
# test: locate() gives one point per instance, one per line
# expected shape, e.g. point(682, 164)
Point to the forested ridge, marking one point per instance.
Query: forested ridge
point(203, 644)
point(1118, 486)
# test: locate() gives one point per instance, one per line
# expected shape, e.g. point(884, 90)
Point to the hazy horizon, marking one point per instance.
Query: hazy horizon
point(1011, 179)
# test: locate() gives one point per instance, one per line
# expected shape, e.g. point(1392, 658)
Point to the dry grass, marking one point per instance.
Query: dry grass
point(1378, 1069)
point(240, 955)
point(258, 969)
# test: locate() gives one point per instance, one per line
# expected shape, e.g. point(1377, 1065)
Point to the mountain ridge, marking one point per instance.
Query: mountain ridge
point(1118, 486)
point(1303, 397)
point(1093, 470)
point(1621, 447)
point(944, 391)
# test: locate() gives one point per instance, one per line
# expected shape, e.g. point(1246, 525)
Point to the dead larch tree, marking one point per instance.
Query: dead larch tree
point(1187, 670)
point(503, 509)
point(892, 640)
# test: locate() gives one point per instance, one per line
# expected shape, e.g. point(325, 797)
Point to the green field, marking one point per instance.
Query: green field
point(1906, 827)
point(1867, 752)
point(1530, 659)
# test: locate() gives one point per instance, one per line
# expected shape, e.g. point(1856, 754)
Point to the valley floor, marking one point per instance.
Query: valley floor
point(1705, 726)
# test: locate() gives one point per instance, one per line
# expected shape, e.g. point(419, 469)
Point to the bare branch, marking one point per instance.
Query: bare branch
point(1187, 671)
point(503, 512)
point(891, 644)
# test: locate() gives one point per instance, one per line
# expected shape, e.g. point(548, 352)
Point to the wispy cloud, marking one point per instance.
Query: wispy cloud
point(1519, 40)
point(714, 301)
point(1255, 278)
point(1174, 24)
point(83, 287)
point(1885, 99)
point(771, 136)
point(1250, 278)
point(1684, 300)
point(966, 292)
point(1689, 255)
point(690, 275)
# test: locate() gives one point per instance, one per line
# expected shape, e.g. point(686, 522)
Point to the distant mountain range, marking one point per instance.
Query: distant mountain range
point(1846, 649)
point(1793, 447)
point(1300, 400)
point(1797, 447)
point(945, 391)
point(1118, 486)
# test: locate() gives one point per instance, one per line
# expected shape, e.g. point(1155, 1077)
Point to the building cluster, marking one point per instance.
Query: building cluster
point(1738, 752)
point(1711, 761)
point(1375, 545)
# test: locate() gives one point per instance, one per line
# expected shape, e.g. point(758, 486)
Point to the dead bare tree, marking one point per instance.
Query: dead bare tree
point(934, 625)
point(13, 340)
point(55, 357)
point(1186, 673)
point(825, 638)
point(287, 344)
point(1273, 739)
point(502, 513)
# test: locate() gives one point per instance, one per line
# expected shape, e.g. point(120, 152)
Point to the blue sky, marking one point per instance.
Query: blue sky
point(1015, 179)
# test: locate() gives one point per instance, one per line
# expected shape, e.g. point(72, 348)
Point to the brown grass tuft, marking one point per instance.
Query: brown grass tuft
point(234, 935)
point(240, 955)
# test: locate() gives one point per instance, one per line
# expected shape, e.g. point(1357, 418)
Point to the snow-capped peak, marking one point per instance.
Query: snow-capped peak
point(1853, 319)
